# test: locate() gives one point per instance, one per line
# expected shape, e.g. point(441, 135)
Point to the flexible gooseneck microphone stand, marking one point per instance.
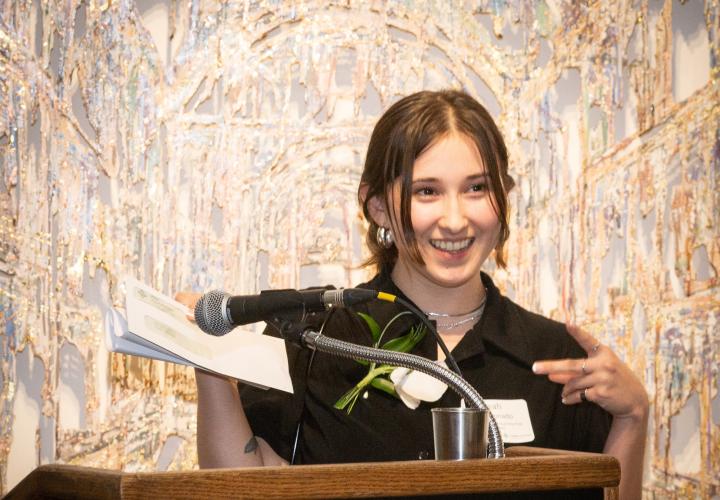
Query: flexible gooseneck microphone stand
point(311, 339)
point(212, 317)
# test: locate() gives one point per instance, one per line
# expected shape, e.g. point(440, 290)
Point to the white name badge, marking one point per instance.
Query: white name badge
point(513, 419)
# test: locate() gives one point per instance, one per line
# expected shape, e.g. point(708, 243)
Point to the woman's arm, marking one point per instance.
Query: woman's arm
point(626, 442)
point(605, 380)
point(224, 436)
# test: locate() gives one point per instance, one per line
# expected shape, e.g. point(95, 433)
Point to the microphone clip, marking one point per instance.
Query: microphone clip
point(291, 329)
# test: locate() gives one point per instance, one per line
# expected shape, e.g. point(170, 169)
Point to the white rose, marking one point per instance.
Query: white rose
point(413, 386)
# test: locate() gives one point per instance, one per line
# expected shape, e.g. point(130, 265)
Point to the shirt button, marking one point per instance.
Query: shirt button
point(423, 455)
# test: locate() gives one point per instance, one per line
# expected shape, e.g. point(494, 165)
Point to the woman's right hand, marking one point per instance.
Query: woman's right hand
point(188, 299)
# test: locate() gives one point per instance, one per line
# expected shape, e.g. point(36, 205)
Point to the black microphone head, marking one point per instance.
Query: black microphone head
point(211, 315)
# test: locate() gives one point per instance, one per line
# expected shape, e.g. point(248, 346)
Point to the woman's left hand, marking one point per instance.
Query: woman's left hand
point(601, 377)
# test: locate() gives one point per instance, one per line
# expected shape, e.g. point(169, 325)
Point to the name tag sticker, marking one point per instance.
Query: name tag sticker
point(513, 418)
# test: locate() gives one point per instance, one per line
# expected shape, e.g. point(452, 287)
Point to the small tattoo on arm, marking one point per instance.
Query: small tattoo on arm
point(251, 445)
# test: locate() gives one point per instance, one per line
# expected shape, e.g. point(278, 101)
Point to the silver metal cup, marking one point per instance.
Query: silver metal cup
point(460, 433)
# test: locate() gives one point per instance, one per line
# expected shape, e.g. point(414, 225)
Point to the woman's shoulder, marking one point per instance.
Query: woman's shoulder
point(528, 320)
point(544, 337)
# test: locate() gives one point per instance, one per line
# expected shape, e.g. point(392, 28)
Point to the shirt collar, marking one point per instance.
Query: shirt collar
point(495, 328)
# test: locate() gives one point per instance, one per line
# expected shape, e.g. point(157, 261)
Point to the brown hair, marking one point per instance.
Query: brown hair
point(404, 132)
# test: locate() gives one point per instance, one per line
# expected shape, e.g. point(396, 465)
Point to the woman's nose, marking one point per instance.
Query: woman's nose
point(453, 217)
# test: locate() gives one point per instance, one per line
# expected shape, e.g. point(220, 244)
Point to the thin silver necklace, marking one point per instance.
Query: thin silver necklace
point(455, 320)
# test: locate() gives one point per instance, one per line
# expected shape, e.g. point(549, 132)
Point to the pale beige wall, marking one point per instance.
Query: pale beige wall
point(203, 144)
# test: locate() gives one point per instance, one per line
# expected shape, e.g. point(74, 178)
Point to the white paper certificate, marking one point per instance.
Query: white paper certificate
point(248, 356)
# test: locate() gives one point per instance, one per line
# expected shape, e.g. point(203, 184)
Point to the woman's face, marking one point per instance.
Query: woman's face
point(455, 225)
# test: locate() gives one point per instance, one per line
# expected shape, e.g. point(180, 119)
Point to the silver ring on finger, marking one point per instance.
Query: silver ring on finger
point(583, 395)
point(595, 348)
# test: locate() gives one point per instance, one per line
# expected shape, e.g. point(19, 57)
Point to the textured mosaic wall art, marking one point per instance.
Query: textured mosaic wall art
point(219, 144)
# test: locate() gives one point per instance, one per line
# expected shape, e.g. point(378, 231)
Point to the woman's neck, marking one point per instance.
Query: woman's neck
point(431, 296)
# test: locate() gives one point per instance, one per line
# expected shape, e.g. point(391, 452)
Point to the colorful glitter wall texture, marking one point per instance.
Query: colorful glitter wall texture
point(219, 144)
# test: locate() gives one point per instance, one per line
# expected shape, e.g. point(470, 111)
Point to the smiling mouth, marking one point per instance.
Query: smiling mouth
point(452, 246)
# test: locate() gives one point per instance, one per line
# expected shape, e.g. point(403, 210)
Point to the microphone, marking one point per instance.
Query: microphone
point(217, 312)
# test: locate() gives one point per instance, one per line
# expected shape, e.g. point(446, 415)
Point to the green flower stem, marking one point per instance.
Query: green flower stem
point(350, 397)
point(384, 385)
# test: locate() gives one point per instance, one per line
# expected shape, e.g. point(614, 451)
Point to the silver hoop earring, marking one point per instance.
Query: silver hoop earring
point(385, 237)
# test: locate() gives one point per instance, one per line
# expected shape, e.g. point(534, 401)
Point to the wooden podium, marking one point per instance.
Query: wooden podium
point(524, 469)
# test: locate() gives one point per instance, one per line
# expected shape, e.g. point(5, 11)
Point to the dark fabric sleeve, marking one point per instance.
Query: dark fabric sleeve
point(274, 414)
point(579, 427)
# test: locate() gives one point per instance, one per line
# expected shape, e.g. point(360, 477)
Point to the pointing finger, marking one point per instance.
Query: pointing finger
point(558, 365)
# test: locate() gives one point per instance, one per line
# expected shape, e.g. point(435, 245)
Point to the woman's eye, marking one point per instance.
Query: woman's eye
point(480, 187)
point(425, 191)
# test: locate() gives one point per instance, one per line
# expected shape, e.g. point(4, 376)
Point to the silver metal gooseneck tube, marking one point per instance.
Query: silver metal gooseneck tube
point(317, 341)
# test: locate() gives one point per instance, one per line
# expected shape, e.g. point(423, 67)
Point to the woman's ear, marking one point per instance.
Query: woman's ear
point(509, 183)
point(376, 207)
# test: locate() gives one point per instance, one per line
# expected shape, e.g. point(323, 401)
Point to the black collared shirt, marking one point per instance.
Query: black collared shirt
point(495, 357)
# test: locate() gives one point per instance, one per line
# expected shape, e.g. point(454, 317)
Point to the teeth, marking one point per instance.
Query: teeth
point(451, 246)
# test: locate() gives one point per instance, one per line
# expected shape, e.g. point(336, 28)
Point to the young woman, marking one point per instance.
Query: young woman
point(434, 191)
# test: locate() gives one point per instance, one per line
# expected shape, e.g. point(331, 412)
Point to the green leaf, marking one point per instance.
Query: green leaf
point(392, 320)
point(372, 324)
point(407, 341)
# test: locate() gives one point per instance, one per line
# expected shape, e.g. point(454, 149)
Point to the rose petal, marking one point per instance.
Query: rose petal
point(409, 401)
point(397, 376)
point(417, 385)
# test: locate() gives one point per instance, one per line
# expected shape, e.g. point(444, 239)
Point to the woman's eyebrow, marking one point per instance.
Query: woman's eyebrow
point(474, 177)
point(478, 176)
point(426, 179)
